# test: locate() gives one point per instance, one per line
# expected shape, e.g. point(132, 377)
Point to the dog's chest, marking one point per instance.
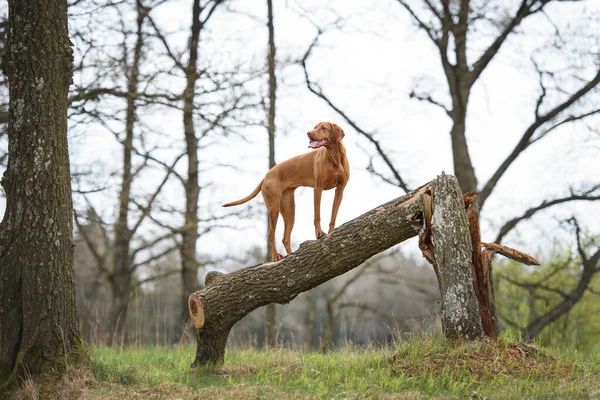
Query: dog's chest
point(335, 177)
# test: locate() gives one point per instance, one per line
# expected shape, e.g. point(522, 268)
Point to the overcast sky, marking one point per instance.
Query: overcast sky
point(369, 68)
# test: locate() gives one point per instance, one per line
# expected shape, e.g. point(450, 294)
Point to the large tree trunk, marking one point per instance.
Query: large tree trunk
point(189, 264)
point(463, 167)
point(227, 298)
point(270, 310)
point(446, 243)
point(459, 85)
point(38, 317)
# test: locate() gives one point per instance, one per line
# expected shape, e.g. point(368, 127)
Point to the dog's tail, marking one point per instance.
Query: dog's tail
point(247, 198)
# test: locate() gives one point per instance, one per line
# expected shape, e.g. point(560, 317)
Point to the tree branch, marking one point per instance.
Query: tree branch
point(526, 139)
point(429, 30)
point(319, 93)
point(588, 195)
point(523, 11)
point(430, 100)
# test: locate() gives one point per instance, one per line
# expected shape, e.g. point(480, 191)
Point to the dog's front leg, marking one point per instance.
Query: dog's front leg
point(337, 200)
point(318, 231)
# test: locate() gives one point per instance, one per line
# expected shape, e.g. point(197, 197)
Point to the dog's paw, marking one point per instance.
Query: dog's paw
point(319, 233)
point(276, 256)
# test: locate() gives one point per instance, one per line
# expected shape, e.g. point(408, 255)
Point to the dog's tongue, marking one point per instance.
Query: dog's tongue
point(315, 144)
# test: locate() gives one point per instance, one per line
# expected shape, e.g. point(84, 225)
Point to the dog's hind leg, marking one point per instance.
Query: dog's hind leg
point(272, 197)
point(288, 212)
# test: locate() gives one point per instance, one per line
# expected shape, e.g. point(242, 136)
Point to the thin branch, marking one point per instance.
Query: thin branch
point(152, 243)
point(523, 11)
point(319, 93)
point(430, 100)
point(526, 139)
point(433, 35)
point(535, 285)
point(155, 257)
point(165, 274)
point(588, 195)
point(146, 209)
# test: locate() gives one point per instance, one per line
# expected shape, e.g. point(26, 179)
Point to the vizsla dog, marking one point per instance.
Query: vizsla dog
point(323, 169)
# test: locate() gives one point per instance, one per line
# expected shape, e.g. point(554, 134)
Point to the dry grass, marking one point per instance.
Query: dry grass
point(481, 359)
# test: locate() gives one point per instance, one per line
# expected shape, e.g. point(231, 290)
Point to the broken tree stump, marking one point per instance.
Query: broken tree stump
point(451, 241)
point(435, 211)
point(446, 243)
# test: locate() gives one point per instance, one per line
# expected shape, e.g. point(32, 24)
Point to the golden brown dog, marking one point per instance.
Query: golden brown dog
point(323, 169)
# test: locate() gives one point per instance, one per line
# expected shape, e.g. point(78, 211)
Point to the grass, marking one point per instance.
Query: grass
point(422, 367)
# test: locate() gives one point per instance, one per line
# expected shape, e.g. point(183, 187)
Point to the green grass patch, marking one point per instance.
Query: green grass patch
point(421, 367)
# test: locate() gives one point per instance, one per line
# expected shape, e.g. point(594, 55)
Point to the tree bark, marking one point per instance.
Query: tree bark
point(463, 167)
point(227, 298)
point(38, 316)
point(450, 251)
point(270, 310)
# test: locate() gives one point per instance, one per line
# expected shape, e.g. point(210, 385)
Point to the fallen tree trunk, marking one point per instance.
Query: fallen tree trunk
point(227, 298)
point(436, 212)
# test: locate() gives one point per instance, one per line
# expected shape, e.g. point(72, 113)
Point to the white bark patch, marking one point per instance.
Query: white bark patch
point(455, 306)
point(39, 83)
point(18, 114)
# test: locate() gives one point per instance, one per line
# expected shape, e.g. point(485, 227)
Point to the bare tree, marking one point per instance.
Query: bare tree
point(123, 234)
point(37, 330)
point(270, 310)
point(543, 287)
point(212, 101)
point(91, 104)
point(451, 26)
point(457, 29)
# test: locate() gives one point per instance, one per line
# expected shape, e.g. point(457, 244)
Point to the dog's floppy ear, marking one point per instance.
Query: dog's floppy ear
point(337, 132)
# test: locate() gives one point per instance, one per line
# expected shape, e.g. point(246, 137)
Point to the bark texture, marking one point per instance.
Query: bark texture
point(38, 317)
point(453, 255)
point(446, 243)
point(227, 298)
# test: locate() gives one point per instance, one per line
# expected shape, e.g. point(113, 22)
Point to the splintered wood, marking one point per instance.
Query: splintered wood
point(489, 249)
point(482, 280)
point(482, 266)
point(425, 243)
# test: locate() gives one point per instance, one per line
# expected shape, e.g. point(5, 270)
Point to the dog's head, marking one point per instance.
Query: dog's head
point(325, 133)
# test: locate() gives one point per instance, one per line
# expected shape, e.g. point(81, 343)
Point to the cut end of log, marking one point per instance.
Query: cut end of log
point(196, 310)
